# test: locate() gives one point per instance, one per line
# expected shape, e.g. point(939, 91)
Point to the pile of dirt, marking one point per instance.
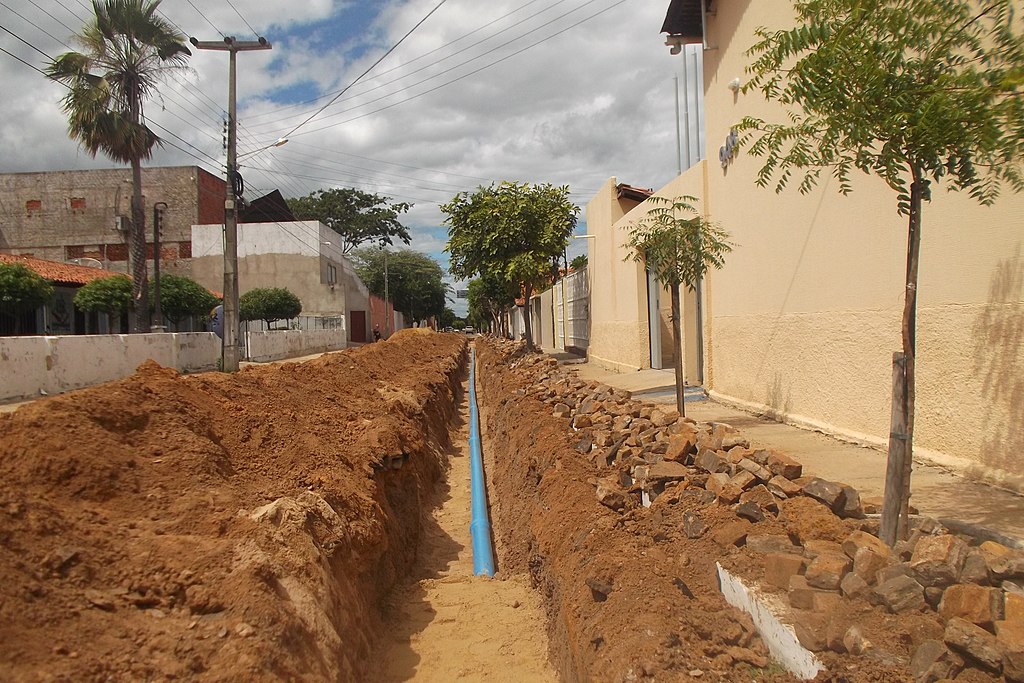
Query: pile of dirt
point(219, 527)
point(633, 590)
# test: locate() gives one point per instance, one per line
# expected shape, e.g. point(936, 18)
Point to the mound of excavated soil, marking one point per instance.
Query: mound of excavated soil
point(219, 527)
point(632, 592)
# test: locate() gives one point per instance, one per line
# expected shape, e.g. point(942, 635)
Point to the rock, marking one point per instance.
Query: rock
point(784, 466)
point(693, 525)
point(100, 600)
point(581, 421)
point(760, 473)
point(710, 461)
point(1008, 566)
point(975, 569)
point(561, 410)
point(699, 496)
point(1013, 666)
point(973, 642)
point(937, 560)
point(729, 493)
point(850, 508)
point(716, 482)
point(743, 480)
point(667, 471)
point(751, 511)
point(976, 604)
point(867, 563)
point(782, 487)
point(814, 600)
point(771, 544)
point(681, 448)
point(811, 630)
point(817, 546)
point(610, 495)
point(862, 539)
point(664, 418)
point(731, 533)
point(730, 441)
point(933, 596)
point(762, 496)
point(932, 662)
point(854, 641)
point(991, 551)
point(827, 492)
point(585, 442)
point(244, 630)
point(901, 594)
point(853, 586)
point(826, 571)
point(600, 588)
point(780, 567)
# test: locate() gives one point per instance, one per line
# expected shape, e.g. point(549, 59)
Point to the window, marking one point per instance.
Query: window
point(332, 274)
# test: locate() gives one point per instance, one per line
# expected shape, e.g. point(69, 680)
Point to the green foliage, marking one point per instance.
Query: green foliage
point(488, 297)
point(128, 49)
point(21, 289)
point(112, 295)
point(415, 282)
point(579, 263)
point(902, 89)
point(447, 318)
point(358, 217)
point(268, 304)
point(510, 233)
point(677, 244)
point(181, 297)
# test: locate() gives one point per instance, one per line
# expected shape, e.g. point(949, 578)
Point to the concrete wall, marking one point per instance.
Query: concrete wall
point(278, 344)
point(805, 315)
point(65, 215)
point(544, 330)
point(33, 365)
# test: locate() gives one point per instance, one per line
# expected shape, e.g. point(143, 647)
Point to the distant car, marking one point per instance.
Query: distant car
point(469, 330)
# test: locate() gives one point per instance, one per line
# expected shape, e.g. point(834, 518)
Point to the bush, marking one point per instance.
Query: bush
point(269, 304)
point(111, 295)
point(22, 289)
point(181, 297)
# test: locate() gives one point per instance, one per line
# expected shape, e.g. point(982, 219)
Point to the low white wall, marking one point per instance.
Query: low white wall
point(31, 366)
point(278, 344)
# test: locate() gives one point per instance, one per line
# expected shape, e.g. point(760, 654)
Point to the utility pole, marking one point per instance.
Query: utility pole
point(158, 224)
point(229, 348)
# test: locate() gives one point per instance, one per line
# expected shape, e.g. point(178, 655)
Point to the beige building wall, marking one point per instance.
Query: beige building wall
point(805, 316)
point(618, 333)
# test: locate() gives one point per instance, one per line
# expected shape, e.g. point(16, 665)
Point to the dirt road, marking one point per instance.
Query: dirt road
point(446, 624)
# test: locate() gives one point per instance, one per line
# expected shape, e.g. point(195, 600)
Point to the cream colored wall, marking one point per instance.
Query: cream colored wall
point(806, 313)
point(618, 333)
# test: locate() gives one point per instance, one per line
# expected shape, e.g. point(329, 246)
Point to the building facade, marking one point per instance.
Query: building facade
point(83, 216)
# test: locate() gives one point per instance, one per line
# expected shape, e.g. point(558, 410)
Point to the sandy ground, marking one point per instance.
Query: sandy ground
point(447, 624)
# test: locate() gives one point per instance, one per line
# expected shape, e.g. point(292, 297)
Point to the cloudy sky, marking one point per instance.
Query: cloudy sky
point(568, 92)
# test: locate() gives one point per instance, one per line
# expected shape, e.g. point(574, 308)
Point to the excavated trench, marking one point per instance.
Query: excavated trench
point(310, 522)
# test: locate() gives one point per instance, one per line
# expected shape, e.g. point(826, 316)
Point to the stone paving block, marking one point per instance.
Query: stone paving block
point(780, 567)
point(973, 642)
point(901, 594)
point(782, 487)
point(826, 571)
point(976, 604)
point(937, 560)
point(774, 543)
point(933, 661)
point(867, 563)
point(732, 533)
point(826, 492)
point(862, 539)
point(762, 497)
point(782, 465)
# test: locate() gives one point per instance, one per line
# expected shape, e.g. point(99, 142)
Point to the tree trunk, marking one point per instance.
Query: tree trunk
point(677, 351)
point(527, 322)
point(137, 237)
point(896, 506)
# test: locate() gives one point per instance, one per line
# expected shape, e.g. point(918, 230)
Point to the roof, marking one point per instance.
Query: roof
point(684, 19)
point(270, 208)
point(55, 271)
point(637, 194)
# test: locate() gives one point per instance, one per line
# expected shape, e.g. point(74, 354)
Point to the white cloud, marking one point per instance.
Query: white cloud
point(578, 107)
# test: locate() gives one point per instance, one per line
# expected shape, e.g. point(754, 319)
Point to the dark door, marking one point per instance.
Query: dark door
point(358, 326)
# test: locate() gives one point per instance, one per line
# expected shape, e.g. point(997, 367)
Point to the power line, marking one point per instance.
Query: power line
point(32, 23)
point(390, 50)
point(204, 17)
point(36, 5)
point(31, 66)
point(232, 5)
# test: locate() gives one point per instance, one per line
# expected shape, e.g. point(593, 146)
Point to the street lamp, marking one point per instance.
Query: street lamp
point(278, 143)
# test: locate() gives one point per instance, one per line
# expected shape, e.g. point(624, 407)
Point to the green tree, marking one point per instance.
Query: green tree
point(358, 217)
point(678, 245)
point(414, 283)
point(181, 297)
point(128, 49)
point(269, 304)
point(513, 231)
point(914, 92)
point(447, 318)
point(110, 295)
point(488, 298)
point(21, 290)
point(579, 262)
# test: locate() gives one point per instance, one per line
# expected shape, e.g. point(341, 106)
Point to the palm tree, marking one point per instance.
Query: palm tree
point(128, 49)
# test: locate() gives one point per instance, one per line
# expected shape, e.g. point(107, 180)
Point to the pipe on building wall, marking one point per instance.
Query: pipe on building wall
point(480, 523)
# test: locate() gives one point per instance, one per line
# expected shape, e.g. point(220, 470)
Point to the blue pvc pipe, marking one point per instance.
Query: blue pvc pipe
point(480, 523)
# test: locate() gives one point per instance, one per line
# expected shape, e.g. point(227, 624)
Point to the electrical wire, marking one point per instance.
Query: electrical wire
point(244, 20)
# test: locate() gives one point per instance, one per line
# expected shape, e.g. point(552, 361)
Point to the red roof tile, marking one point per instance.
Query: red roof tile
point(60, 272)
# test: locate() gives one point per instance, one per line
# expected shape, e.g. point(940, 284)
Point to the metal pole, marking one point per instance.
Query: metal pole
point(158, 219)
point(229, 348)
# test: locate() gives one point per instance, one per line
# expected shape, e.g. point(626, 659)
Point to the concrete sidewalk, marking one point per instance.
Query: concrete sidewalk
point(935, 491)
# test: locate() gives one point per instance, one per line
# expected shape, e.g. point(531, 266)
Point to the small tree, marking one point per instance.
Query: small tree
point(579, 262)
point(181, 297)
point(21, 290)
point(511, 232)
point(268, 305)
point(358, 217)
point(110, 295)
point(914, 93)
point(678, 245)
